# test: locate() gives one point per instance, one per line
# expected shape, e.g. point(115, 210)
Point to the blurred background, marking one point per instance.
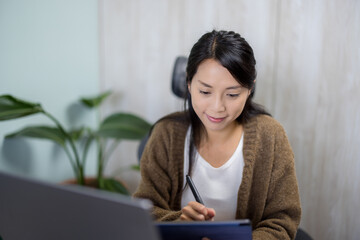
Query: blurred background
point(308, 58)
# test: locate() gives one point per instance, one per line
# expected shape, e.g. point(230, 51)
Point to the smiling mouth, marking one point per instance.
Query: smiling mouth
point(215, 120)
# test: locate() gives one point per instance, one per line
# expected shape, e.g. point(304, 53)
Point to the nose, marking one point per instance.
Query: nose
point(219, 105)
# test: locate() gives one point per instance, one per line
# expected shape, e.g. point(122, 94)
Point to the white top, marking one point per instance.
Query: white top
point(218, 187)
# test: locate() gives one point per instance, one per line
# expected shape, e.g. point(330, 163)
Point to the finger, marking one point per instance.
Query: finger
point(198, 207)
point(184, 217)
point(191, 214)
point(210, 214)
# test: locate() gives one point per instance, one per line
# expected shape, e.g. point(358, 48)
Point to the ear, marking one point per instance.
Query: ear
point(189, 87)
point(253, 87)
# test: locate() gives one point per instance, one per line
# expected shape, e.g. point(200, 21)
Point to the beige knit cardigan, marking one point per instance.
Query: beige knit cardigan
point(268, 194)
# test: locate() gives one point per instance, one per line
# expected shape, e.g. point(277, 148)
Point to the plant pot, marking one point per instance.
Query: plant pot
point(109, 184)
point(89, 182)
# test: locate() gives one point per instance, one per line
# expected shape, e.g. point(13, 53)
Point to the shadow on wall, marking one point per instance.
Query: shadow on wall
point(17, 154)
point(75, 113)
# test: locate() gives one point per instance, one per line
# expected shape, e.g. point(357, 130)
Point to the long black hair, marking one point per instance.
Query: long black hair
point(235, 54)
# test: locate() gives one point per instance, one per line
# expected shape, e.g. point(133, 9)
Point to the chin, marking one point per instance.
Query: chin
point(215, 126)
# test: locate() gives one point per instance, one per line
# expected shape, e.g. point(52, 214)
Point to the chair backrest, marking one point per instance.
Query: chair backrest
point(302, 235)
point(178, 81)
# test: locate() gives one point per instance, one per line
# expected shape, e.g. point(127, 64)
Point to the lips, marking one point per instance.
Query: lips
point(214, 119)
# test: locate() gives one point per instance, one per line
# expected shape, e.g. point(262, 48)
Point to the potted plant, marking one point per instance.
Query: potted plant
point(76, 143)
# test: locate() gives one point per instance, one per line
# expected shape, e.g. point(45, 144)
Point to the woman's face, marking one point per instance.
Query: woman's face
point(217, 98)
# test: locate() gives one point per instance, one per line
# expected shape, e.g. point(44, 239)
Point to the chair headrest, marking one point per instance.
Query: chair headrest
point(178, 82)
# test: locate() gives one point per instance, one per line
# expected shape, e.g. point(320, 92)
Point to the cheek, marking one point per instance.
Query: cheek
point(239, 107)
point(198, 103)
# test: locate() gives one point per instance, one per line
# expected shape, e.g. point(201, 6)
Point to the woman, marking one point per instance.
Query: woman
point(238, 156)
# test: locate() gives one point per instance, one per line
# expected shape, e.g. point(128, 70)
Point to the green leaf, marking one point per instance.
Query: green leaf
point(135, 167)
point(95, 101)
point(11, 108)
point(41, 132)
point(113, 185)
point(124, 126)
point(76, 134)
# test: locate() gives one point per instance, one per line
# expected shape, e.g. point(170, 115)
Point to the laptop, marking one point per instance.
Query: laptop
point(31, 209)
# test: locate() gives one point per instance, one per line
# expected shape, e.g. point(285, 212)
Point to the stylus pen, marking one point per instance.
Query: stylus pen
point(194, 190)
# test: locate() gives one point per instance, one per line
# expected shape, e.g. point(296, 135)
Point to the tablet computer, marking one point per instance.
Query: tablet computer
point(221, 230)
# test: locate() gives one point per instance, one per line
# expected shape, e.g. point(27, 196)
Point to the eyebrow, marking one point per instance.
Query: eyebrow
point(209, 86)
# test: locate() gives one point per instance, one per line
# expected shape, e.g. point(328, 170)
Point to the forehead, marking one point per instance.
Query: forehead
point(211, 72)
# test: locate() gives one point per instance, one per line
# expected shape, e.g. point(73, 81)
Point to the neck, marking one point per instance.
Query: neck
point(223, 136)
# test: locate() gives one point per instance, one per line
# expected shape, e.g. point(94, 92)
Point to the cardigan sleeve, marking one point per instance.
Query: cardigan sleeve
point(282, 212)
point(157, 183)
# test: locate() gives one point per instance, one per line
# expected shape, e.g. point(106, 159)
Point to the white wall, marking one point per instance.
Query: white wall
point(308, 55)
point(318, 102)
point(48, 54)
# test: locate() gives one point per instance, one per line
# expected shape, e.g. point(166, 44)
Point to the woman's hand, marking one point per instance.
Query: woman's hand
point(195, 211)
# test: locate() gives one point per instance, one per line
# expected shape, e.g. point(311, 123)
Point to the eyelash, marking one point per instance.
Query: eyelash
point(204, 92)
point(230, 95)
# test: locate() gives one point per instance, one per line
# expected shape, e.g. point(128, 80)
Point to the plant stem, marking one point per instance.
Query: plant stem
point(80, 172)
point(86, 149)
point(100, 153)
point(71, 161)
point(109, 152)
point(100, 163)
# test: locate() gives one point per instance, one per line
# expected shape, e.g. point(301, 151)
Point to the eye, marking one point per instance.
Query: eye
point(204, 92)
point(233, 95)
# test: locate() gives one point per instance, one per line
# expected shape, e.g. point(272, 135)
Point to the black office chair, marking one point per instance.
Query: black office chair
point(178, 81)
point(302, 235)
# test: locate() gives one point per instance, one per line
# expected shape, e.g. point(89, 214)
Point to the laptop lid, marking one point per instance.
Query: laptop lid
point(31, 209)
